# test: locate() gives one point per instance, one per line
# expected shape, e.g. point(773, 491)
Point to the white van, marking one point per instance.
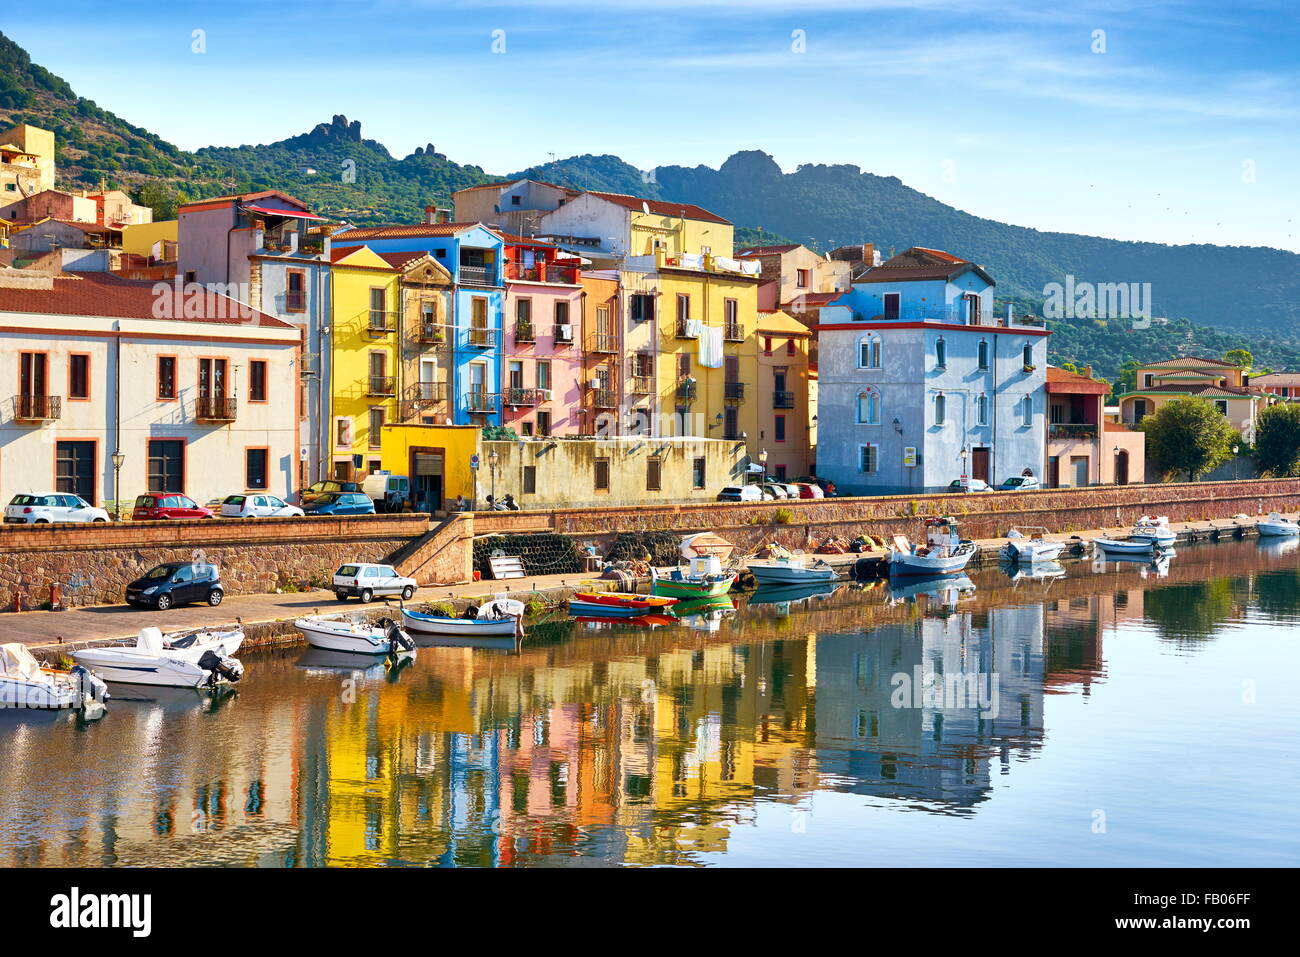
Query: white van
point(389, 492)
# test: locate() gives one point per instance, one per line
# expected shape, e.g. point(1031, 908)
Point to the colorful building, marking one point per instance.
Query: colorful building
point(1220, 383)
point(779, 413)
point(603, 380)
point(1082, 447)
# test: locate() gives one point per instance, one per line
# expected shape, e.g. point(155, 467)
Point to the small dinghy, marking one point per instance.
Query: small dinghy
point(24, 683)
point(361, 638)
point(1032, 547)
point(944, 552)
point(614, 604)
point(1276, 526)
point(1125, 546)
point(701, 577)
point(1155, 528)
point(792, 570)
point(499, 617)
point(191, 660)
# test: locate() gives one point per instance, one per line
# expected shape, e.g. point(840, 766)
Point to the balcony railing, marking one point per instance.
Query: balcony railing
point(524, 332)
point(542, 272)
point(563, 333)
point(602, 342)
point(37, 408)
point(603, 399)
point(733, 390)
point(480, 275)
point(684, 329)
point(482, 338)
point(523, 397)
point(733, 332)
point(481, 401)
point(1072, 430)
point(783, 400)
point(430, 332)
point(214, 408)
point(381, 385)
point(421, 397)
point(686, 389)
point(379, 322)
point(641, 385)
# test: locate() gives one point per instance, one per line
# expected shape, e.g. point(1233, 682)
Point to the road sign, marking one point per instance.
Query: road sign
point(473, 461)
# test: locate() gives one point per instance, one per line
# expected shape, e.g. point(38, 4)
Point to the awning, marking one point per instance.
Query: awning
point(290, 213)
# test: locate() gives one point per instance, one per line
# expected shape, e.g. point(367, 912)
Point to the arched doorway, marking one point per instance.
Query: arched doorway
point(1121, 467)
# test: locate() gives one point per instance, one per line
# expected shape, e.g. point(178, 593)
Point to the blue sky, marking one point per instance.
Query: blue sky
point(1183, 130)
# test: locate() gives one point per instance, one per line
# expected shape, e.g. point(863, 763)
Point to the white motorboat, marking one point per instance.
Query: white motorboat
point(1276, 526)
point(1155, 528)
point(1032, 547)
point(944, 551)
point(24, 683)
point(792, 570)
point(1126, 546)
point(499, 617)
point(191, 660)
point(362, 638)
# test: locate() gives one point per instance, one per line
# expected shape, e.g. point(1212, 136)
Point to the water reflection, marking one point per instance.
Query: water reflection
point(617, 742)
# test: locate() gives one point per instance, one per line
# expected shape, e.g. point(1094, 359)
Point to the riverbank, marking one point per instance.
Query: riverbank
point(268, 619)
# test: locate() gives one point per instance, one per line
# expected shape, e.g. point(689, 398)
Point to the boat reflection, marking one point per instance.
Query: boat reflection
point(787, 595)
point(947, 590)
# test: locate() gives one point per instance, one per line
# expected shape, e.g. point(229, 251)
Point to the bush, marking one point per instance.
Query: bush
point(1277, 440)
point(783, 516)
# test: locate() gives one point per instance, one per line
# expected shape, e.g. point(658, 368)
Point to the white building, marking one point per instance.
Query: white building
point(205, 404)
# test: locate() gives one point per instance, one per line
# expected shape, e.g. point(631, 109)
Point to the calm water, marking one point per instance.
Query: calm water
point(1114, 717)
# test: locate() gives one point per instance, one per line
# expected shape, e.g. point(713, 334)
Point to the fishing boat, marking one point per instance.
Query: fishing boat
point(701, 577)
point(361, 638)
point(25, 683)
point(201, 659)
point(1153, 527)
point(1028, 544)
point(944, 551)
point(1276, 526)
point(1126, 546)
point(497, 618)
point(792, 570)
point(615, 604)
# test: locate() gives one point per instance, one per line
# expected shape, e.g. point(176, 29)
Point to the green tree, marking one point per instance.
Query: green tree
point(1188, 435)
point(1241, 358)
point(1277, 440)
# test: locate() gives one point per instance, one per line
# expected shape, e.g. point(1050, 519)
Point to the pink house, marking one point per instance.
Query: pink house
point(541, 362)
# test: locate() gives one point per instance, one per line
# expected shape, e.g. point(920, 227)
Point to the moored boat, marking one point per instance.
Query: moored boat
point(362, 638)
point(701, 577)
point(1275, 526)
point(1126, 546)
point(1032, 547)
point(794, 570)
point(1153, 527)
point(944, 551)
point(612, 604)
point(25, 683)
point(192, 660)
point(499, 617)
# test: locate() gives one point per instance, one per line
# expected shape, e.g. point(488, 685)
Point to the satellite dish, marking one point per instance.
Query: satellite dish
point(645, 207)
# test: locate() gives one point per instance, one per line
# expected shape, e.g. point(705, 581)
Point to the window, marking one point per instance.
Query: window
point(801, 278)
point(869, 353)
point(643, 307)
point(731, 422)
point(515, 200)
point(683, 307)
point(523, 311)
point(516, 374)
point(543, 423)
point(972, 301)
point(780, 473)
point(981, 409)
point(1027, 410)
point(1028, 354)
point(212, 378)
point(255, 473)
point(778, 428)
point(562, 312)
point(602, 475)
point(1146, 380)
point(31, 375)
point(729, 312)
point(166, 377)
point(166, 465)
point(652, 466)
point(78, 376)
point(1139, 410)
point(295, 291)
point(870, 455)
point(378, 309)
point(683, 364)
point(1221, 405)
point(869, 407)
point(376, 428)
point(893, 303)
point(983, 362)
point(767, 345)
point(544, 374)
point(792, 347)
point(343, 432)
point(257, 380)
point(530, 479)
point(526, 427)
point(940, 353)
point(697, 473)
point(940, 409)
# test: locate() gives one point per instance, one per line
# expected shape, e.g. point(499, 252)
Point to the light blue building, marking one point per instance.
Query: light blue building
point(473, 254)
point(919, 384)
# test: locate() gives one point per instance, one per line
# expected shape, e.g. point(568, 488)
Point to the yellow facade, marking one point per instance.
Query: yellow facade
point(676, 235)
point(365, 330)
point(453, 445)
point(783, 401)
point(138, 240)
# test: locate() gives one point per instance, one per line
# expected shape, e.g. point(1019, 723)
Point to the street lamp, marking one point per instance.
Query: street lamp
point(1234, 461)
point(1114, 464)
point(492, 464)
point(118, 459)
point(965, 452)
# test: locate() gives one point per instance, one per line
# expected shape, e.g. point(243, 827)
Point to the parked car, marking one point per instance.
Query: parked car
point(367, 580)
point(388, 491)
point(969, 485)
point(1019, 483)
point(809, 490)
point(327, 487)
point(176, 583)
point(258, 505)
point(826, 486)
point(162, 505)
point(340, 503)
point(740, 493)
point(46, 507)
point(791, 490)
point(775, 490)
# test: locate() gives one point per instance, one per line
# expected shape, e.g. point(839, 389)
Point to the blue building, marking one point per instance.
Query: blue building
point(919, 384)
point(473, 254)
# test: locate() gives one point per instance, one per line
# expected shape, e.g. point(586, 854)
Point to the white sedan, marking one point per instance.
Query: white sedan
point(52, 507)
point(258, 505)
point(366, 580)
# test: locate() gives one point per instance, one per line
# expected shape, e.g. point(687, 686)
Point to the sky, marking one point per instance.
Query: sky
point(1174, 122)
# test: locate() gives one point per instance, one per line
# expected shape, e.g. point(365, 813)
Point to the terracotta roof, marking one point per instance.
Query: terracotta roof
point(243, 198)
point(100, 294)
point(525, 240)
point(511, 182)
point(1276, 378)
point(86, 227)
point(812, 298)
point(401, 260)
point(1116, 427)
point(753, 252)
point(400, 231)
point(1201, 391)
point(919, 263)
point(1188, 362)
point(937, 254)
point(1063, 380)
point(660, 207)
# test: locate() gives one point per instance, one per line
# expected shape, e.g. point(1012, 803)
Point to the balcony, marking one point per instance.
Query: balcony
point(686, 389)
point(783, 400)
point(421, 397)
point(733, 332)
point(641, 385)
point(1087, 431)
point(479, 402)
point(603, 398)
point(381, 385)
point(516, 397)
point(684, 329)
point(542, 272)
point(563, 334)
point(524, 332)
point(478, 275)
point(430, 332)
point(378, 323)
point(214, 408)
point(37, 408)
point(602, 342)
point(733, 391)
point(482, 338)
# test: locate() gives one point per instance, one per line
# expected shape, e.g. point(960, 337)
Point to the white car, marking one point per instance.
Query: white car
point(740, 493)
point(1020, 483)
point(47, 507)
point(366, 581)
point(258, 505)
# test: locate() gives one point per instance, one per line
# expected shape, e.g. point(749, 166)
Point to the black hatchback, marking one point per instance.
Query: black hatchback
point(176, 583)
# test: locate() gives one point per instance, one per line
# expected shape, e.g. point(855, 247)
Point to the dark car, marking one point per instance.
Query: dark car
point(340, 503)
point(327, 487)
point(164, 505)
point(176, 583)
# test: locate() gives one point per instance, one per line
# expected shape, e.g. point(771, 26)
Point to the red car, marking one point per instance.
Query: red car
point(160, 505)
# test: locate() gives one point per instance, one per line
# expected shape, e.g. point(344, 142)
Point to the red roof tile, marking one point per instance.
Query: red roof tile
point(1065, 381)
point(662, 208)
point(402, 231)
point(753, 252)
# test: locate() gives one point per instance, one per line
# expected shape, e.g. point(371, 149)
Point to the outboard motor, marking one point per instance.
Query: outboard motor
point(91, 686)
point(397, 637)
point(219, 666)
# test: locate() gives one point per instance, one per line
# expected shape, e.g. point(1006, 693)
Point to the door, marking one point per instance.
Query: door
point(31, 385)
point(426, 479)
point(980, 464)
point(1079, 467)
point(1053, 472)
point(183, 588)
point(74, 469)
point(1121, 467)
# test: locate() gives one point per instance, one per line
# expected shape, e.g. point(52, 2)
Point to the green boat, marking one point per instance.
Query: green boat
point(703, 577)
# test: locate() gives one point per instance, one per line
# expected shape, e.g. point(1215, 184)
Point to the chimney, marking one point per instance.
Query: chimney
point(1087, 371)
point(430, 215)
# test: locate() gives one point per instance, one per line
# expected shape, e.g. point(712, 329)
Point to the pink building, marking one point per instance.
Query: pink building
point(541, 363)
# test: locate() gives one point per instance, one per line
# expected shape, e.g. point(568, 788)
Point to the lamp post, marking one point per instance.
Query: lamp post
point(762, 462)
point(1114, 465)
point(1235, 448)
point(492, 465)
point(965, 453)
point(118, 460)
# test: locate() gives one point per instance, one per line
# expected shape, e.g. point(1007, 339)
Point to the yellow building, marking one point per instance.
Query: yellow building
point(783, 399)
point(26, 162)
point(141, 239)
point(437, 459)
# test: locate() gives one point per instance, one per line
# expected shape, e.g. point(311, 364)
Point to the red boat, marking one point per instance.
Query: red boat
point(602, 604)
